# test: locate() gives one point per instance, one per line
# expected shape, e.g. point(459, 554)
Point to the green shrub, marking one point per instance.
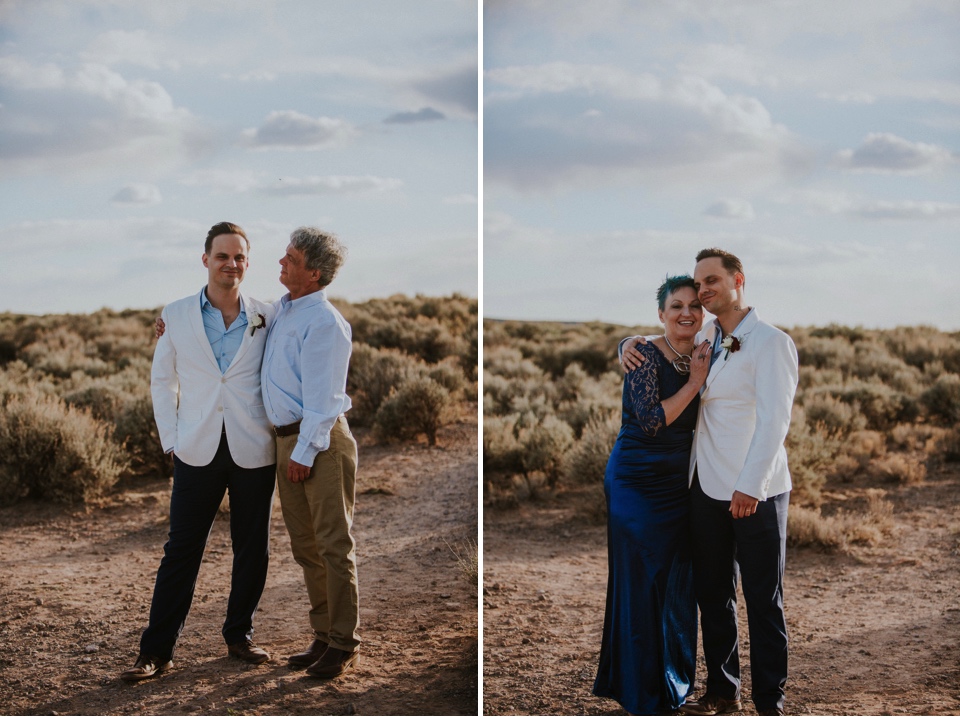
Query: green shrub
point(942, 399)
point(419, 406)
point(374, 374)
point(544, 445)
point(586, 462)
point(51, 451)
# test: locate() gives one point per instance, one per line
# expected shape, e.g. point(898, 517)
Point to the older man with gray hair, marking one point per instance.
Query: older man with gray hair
point(304, 381)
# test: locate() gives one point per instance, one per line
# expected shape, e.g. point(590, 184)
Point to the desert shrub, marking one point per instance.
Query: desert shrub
point(374, 374)
point(899, 467)
point(420, 405)
point(865, 446)
point(946, 446)
point(544, 445)
point(824, 353)
point(136, 430)
point(834, 415)
point(449, 375)
point(942, 399)
point(811, 452)
point(810, 377)
point(502, 451)
point(912, 437)
point(51, 451)
point(873, 360)
point(882, 406)
point(808, 527)
point(586, 462)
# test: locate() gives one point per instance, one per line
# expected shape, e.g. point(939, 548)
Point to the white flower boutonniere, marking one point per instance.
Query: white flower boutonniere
point(257, 322)
point(731, 344)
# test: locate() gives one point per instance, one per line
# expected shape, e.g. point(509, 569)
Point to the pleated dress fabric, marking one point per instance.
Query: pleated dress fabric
point(649, 647)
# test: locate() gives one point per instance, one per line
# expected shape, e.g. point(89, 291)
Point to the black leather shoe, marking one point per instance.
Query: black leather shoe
point(711, 705)
point(248, 652)
point(333, 663)
point(146, 666)
point(774, 711)
point(308, 656)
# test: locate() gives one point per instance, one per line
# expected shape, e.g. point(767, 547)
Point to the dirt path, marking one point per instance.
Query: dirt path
point(75, 591)
point(876, 632)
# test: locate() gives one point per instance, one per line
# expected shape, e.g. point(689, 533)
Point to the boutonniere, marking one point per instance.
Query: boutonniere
point(731, 344)
point(258, 322)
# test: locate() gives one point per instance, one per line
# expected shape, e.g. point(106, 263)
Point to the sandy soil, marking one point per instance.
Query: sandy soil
point(75, 589)
point(874, 632)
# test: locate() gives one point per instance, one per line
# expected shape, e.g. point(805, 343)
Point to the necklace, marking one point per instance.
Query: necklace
point(682, 362)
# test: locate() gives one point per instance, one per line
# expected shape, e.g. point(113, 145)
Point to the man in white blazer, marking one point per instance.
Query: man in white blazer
point(209, 411)
point(740, 488)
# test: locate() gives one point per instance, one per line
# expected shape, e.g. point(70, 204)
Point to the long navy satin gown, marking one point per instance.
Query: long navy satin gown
point(649, 648)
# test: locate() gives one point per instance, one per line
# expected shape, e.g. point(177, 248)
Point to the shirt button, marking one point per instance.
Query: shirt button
point(223, 380)
point(220, 409)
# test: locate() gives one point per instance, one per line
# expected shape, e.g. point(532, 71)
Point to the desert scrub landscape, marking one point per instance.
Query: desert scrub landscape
point(84, 494)
point(874, 535)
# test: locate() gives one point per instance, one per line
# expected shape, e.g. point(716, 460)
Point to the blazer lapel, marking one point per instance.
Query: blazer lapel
point(196, 321)
point(745, 328)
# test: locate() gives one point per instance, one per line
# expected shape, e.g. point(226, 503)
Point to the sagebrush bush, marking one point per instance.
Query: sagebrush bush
point(586, 462)
point(51, 451)
point(420, 405)
point(942, 399)
point(374, 374)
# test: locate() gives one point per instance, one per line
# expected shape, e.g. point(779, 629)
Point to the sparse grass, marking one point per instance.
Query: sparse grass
point(468, 559)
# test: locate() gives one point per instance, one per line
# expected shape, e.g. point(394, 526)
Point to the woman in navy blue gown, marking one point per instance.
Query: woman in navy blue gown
point(648, 653)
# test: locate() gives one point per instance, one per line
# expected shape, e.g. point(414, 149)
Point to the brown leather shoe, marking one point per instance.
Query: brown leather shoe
point(146, 666)
point(333, 663)
point(710, 705)
point(308, 656)
point(248, 652)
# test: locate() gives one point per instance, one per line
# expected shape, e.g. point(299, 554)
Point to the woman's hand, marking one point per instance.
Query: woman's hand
point(630, 358)
point(700, 364)
point(159, 327)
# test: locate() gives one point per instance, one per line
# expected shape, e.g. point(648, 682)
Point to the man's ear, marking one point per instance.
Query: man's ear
point(203, 258)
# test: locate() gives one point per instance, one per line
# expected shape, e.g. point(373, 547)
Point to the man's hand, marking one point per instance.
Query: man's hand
point(159, 327)
point(743, 505)
point(297, 472)
point(630, 358)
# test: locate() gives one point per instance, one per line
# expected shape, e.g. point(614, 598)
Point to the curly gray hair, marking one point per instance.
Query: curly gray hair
point(321, 251)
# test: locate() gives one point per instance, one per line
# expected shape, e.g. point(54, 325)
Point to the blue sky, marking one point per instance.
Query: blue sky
point(128, 128)
point(817, 140)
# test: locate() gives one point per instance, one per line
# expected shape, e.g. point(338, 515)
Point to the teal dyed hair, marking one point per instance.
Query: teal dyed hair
point(670, 285)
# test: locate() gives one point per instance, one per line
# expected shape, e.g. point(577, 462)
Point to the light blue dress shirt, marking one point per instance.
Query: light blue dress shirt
point(719, 337)
point(224, 341)
point(304, 373)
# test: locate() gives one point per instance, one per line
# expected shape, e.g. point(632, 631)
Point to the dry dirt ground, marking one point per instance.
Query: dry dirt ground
point(873, 632)
point(75, 589)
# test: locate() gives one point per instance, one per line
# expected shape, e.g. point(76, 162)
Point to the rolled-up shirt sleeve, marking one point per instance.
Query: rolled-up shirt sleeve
point(324, 361)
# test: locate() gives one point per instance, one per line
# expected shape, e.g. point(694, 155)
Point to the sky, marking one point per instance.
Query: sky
point(129, 127)
point(818, 140)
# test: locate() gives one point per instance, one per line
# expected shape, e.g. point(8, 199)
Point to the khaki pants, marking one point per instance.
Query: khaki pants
point(319, 514)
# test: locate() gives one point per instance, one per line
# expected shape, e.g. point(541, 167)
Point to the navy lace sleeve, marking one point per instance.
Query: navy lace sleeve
point(642, 393)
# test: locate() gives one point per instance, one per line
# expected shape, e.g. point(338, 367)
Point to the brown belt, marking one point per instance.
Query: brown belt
point(291, 429)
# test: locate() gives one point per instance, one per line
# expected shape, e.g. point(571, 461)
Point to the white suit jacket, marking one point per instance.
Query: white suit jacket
point(744, 414)
point(193, 401)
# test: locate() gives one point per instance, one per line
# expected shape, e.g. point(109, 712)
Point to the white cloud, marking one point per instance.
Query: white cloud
point(859, 207)
point(133, 47)
point(247, 181)
point(138, 194)
point(887, 153)
point(90, 118)
point(298, 186)
point(461, 199)
point(731, 209)
point(291, 130)
point(735, 62)
point(558, 124)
